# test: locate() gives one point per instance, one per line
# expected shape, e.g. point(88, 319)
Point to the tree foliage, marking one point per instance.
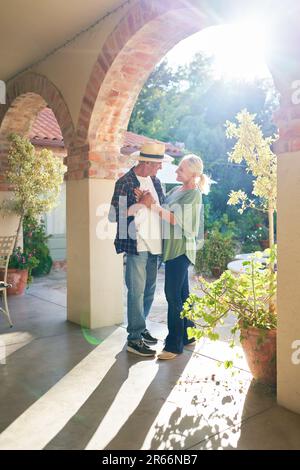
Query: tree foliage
point(188, 105)
point(255, 150)
point(36, 179)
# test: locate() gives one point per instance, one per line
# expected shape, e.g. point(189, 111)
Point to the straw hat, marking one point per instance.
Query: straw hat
point(152, 152)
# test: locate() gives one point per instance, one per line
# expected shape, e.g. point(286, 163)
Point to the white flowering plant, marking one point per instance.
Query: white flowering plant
point(255, 150)
point(35, 178)
point(261, 233)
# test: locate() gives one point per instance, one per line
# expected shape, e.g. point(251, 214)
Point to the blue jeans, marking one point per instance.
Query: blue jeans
point(177, 291)
point(140, 277)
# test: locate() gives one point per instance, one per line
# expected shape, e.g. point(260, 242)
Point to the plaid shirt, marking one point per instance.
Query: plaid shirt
point(122, 199)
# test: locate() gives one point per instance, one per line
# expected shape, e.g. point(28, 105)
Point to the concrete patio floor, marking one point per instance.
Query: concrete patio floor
point(63, 387)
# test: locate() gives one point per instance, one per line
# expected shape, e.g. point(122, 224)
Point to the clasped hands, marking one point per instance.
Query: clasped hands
point(144, 197)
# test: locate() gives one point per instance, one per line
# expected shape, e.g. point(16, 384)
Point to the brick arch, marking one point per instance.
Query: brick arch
point(138, 43)
point(35, 91)
point(26, 97)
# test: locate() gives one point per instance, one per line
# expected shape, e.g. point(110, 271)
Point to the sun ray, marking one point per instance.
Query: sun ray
point(238, 50)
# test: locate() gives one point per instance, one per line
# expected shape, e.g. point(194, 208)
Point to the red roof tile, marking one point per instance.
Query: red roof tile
point(46, 132)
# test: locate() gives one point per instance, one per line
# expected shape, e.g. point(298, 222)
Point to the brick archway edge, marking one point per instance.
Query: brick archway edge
point(33, 83)
point(144, 35)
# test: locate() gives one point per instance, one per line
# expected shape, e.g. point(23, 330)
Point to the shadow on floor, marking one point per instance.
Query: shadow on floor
point(78, 432)
point(35, 368)
point(188, 418)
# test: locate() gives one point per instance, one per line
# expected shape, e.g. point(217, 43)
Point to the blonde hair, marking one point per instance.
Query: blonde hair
point(195, 165)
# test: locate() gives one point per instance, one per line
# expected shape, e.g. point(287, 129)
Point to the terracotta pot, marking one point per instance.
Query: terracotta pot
point(260, 350)
point(264, 244)
point(216, 271)
point(18, 279)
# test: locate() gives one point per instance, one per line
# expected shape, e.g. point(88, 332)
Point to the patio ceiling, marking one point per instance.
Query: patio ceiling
point(29, 29)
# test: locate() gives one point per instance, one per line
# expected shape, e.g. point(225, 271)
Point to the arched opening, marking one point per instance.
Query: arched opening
point(28, 98)
point(45, 133)
point(140, 41)
point(142, 38)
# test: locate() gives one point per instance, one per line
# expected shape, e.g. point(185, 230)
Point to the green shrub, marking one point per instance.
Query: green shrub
point(248, 222)
point(250, 245)
point(35, 241)
point(218, 250)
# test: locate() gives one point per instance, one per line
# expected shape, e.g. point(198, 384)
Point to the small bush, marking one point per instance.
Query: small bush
point(219, 248)
point(35, 241)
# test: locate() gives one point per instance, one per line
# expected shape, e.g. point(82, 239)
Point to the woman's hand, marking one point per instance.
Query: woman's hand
point(147, 199)
point(139, 193)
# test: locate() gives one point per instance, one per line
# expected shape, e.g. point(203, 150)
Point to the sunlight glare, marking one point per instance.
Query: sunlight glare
point(238, 50)
point(241, 52)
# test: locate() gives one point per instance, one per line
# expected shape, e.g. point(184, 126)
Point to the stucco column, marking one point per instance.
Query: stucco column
point(288, 238)
point(288, 354)
point(284, 63)
point(288, 350)
point(95, 276)
point(287, 149)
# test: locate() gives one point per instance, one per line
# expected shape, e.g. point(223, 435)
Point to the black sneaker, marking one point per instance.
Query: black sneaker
point(140, 348)
point(148, 338)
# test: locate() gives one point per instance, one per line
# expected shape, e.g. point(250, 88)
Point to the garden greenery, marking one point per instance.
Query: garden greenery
point(35, 177)
point(35, 241)
point(249, 296)
point(23, 260)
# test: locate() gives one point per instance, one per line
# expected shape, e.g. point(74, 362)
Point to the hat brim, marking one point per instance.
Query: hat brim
point(166, 158)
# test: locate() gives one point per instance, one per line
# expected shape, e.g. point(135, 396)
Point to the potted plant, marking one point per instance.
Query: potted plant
point(251, 298)
point(218, 250)
point(35, 178)
point(19, 272)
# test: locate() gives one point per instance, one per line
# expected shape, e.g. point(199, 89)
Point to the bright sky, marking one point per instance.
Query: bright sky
point(239, 50)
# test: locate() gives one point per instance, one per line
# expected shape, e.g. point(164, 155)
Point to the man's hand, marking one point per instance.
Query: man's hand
point(139, 193)
point(147, 199)
point(143, 198)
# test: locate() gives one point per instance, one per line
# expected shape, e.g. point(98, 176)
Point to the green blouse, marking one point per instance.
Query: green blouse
point(182, 238)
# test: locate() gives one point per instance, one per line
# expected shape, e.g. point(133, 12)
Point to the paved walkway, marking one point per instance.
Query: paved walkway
point(63, 387)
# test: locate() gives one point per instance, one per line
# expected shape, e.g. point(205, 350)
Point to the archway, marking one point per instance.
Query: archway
point(127, 58)
point(26, 97)
point(141, 39)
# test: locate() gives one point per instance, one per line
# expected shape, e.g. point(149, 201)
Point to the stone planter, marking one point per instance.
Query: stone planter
point(260, 350)
point(18, 279)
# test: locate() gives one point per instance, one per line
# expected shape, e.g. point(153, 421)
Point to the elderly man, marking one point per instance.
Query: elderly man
point(139, 236)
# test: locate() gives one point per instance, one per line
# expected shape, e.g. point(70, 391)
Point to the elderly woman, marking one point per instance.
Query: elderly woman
point(181, 224)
